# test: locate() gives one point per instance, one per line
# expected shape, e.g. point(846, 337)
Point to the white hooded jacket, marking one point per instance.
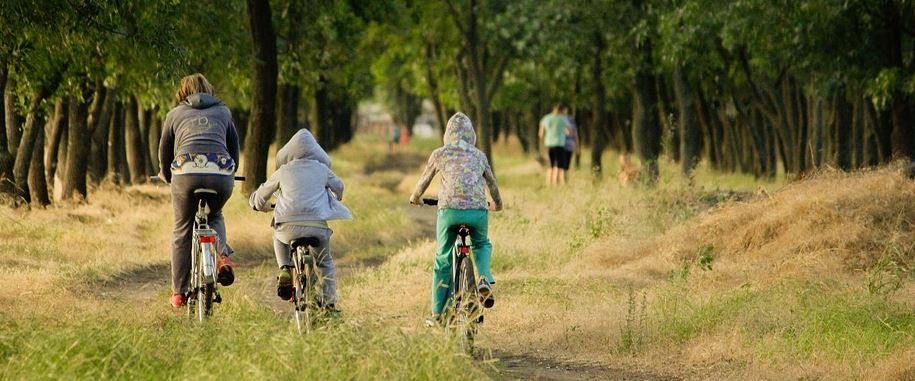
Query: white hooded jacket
point(306, 188)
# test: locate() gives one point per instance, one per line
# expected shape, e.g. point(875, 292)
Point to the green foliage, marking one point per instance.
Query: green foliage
point(705, 257)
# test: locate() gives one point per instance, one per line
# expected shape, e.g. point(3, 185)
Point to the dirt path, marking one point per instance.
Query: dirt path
point(146, 282)
point(521, 366)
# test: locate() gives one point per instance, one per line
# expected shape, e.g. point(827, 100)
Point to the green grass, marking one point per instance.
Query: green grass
point(242, 342)
point(796, 320)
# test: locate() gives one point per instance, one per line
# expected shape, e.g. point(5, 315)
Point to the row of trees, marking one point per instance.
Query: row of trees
point(746, 85)
point(87, 83)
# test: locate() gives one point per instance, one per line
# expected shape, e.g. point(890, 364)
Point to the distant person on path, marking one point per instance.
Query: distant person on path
point(554, 127)
point(572, 147)
point(461, 200)
point(198, 149)
point(308, 195)
point(395, 137)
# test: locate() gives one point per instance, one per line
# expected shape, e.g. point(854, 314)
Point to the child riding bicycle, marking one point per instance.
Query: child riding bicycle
point(461, 200)
point(308, 195)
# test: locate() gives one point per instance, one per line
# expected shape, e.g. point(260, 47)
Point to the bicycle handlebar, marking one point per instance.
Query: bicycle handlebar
point(159, 179)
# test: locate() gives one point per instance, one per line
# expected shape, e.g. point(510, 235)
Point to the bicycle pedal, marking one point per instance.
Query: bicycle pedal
point(217, 298)
point(480, 319)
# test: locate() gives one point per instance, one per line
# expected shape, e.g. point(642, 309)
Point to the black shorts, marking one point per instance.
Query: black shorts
point(567, 160)
point(559, 158)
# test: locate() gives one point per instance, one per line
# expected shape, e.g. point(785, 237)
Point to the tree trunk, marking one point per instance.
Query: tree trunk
point(152, 139)
point(10, 115)
point(117, 157)
point(433, 88)
point(74, 180)
point(599, 103)
point(57, 126)
point(6, 156)
point(136, 151)
point(320, 119)
point(262, 125)
point(646, 130)
point(38, 186)
point(843, 129)
point(287, 114)
point(98, 153)
point(145, 121)
point(32, 129)
point(690, 132)
point(818, 130)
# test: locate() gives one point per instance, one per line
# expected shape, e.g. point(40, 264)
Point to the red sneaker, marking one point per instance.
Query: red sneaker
point(225, 274)
point(178, 301)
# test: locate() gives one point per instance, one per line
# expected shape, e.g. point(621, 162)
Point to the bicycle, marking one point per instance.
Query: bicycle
point(464, 309)
point(306, 282)
point(203, 292)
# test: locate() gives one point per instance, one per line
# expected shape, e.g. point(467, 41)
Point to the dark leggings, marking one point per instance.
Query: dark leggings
point(185, 207)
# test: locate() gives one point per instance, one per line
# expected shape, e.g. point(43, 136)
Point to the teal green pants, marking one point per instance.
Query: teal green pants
point(478, 222)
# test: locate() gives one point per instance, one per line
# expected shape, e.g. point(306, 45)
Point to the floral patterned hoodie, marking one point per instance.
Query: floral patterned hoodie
point(464, 168)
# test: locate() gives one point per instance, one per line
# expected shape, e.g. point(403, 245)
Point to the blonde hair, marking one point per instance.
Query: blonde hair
point(193, 84)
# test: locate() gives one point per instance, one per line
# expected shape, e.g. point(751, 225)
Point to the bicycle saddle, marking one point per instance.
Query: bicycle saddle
point(204, 191)
point(304, 241)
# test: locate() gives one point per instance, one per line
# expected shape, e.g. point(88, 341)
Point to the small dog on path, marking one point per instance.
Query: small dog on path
point(628, 172)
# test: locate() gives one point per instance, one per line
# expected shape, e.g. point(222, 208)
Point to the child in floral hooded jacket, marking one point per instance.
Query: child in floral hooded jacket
point(461, 200)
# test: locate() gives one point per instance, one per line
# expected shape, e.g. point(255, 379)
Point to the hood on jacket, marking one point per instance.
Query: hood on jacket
point(201, 100)
point(302, 146)
point(460, 129)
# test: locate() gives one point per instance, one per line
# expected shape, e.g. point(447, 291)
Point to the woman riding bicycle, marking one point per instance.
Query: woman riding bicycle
point(198, 149)
point(461, 200)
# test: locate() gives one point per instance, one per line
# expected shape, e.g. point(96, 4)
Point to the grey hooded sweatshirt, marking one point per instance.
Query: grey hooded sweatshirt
point(201, 124)
point(304, 184)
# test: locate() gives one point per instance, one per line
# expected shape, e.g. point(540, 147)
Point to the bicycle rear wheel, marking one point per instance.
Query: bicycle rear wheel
point(305, 303)
point(466, 306)
point(205, 301)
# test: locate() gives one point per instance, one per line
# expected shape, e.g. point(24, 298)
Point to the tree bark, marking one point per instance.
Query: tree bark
point(133, 142)
point(843, 129)
point(57, 126)
point(32, 129)
point(320, 121)
point(98, 153)
point(263, 111)
point(117, 158)
point(6, 156)
point(645, 126)
point(690, 132)
point(11, 116)
point(38, 186)
point(74, 180)
point(599, 104)
point(152, 139)
point(433, 88)
point(287, 114)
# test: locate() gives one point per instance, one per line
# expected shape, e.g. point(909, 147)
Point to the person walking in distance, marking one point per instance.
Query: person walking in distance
point(553, 130)
point(571, 147)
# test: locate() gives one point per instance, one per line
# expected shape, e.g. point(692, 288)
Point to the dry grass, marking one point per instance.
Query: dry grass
point(728, 279)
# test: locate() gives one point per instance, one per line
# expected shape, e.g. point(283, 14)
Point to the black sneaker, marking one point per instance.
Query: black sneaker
point(284, 284)
point(485, 289)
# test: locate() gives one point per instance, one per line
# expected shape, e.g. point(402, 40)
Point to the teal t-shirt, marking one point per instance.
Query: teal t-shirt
point(554, 129)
